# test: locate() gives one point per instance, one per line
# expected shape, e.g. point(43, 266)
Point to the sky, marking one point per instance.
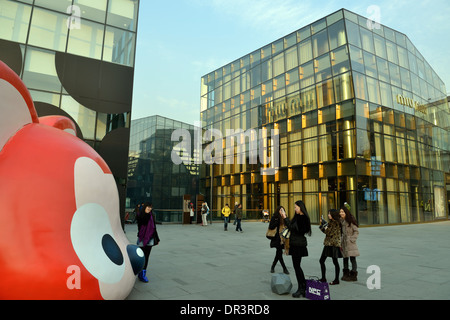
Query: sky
point(179, 41)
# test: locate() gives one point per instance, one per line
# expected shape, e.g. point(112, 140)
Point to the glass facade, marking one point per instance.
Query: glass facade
point(152, 175)
point(362, 118)
point(77, 59)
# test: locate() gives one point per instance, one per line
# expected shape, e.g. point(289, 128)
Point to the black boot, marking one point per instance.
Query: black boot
point(301, 292)
point(345, 277)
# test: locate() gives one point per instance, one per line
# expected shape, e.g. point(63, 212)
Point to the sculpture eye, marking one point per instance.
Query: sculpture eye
point(92, 240)
point(112, 250)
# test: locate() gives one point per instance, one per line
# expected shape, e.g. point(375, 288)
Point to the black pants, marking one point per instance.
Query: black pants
point(279, 257)
point(147, 250)
point(323, 268)
point(353, 261)
point(296, 262)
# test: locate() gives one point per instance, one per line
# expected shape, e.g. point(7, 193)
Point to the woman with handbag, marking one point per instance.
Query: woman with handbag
point(350, 250)
point(332, 244)
point(147, 236)
point(299, 227)
point(277, 242)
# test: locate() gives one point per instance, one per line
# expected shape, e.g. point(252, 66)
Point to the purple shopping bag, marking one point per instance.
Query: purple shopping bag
point(316, 290)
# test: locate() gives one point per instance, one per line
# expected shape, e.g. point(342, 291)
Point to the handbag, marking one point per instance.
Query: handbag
point(316, 290)
point(286, 233)
point(270, 234)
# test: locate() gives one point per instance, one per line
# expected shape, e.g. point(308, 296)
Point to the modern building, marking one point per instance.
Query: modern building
point(77, 59)
point(153, 176)
point(362, 118)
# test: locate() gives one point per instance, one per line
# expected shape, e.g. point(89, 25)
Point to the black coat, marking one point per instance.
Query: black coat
point(275, 223)
point(298, 227)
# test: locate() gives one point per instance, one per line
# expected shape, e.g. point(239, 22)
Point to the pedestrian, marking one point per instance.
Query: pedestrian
point(226, 211)
point(191, 212)
point(299, 227)
point(277, 222)
point(332, 244)
point(350, 250)
point(147, 236)
point(239, 218)
point(205, 212)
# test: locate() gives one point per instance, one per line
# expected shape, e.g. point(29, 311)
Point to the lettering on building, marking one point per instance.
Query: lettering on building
point(408, 102)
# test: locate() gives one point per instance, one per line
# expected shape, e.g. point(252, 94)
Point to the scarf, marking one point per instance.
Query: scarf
point(147, 228)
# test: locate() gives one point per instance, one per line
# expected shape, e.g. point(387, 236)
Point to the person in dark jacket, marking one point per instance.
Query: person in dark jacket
point(147, 236)
point(277, 242)
point(300, 226)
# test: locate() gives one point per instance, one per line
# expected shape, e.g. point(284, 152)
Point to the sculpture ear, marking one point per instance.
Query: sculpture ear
point(16, 105)
point(60, 122)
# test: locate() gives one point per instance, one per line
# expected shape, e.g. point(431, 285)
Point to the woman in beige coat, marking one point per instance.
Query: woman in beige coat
point(350, 233)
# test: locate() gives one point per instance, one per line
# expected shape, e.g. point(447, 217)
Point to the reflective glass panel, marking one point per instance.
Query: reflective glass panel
point(48, 30)
point(320, 43)
point(336, 33)
point(14, 20)
point(305, 51)
point(122, 14)
point(340, 60)
point(82, 115)
point(40, 71)
point(92, 10)
point(87, 41)
point(60, 5)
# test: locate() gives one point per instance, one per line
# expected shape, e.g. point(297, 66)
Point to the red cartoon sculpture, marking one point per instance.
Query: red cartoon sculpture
point(60, 232)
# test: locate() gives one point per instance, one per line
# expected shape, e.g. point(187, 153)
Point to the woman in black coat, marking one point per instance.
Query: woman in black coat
point(277, 242)
point(300, 226)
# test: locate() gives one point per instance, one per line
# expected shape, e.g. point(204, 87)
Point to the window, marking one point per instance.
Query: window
point(49, 30)
point(122, 14)
point(305, 51)
point(88, 40)
point(367, 40)
point(291, 58)
point(119, 46)
point(356, 56)
point(320, 43)
point(343, 87)
point(336, 34)
point(306, 73)
point(322, 68)
point(383, 70)
point(392, 52)
point(353, 33)
point(380, 46)
point(340, 60)
point(14, 19)
point(325, 93)
point(40, 71)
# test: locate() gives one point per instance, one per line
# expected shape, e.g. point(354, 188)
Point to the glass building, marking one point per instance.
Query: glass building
point(152, 175)
point(77, 59)
point(362, 118)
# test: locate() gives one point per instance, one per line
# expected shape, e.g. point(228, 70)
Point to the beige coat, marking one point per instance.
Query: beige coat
point(349, 236)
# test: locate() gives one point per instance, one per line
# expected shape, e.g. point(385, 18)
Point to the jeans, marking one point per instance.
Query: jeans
point(238, 225)
point(225, 222)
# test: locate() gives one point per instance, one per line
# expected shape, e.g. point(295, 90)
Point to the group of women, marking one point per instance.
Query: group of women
point(341, 232)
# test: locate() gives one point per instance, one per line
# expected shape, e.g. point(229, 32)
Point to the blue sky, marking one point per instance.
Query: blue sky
point(179, 41)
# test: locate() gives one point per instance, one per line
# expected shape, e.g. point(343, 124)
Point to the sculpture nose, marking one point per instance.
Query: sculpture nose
point(137, 258)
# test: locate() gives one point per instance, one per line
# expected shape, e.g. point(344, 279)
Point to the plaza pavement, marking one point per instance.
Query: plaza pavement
point(193, 262)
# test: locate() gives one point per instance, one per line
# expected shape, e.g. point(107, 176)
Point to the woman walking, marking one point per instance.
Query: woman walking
point(147, 236)
point(350, 250)
point(300, 226)
point(277, 242)
point(332, 244)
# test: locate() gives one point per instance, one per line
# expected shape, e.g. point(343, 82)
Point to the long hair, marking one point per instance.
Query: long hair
point(349, 218)
point(302, 207)
point(276, 213)
point(334, 214)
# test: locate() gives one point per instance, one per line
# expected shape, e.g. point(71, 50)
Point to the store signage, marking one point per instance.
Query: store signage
point(408, 102)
